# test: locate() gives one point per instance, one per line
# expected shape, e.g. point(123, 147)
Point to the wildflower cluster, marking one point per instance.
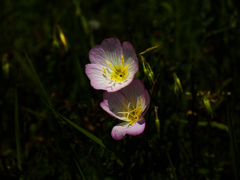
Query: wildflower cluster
point(113, 67)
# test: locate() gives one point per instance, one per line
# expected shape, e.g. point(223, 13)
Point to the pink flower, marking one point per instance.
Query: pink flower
point(112, 66)
point(129, 105)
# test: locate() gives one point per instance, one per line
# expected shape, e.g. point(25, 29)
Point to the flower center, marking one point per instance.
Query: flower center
point(132, 112)
point(119, 73)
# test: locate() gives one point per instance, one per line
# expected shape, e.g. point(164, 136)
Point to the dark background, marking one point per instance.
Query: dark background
point(200, 43)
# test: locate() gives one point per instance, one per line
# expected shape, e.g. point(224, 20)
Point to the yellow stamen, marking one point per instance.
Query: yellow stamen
point(122, 60)
point(125, 67)
point(104, 70)
point(126, 101)
point(131, 112)
point(123, 107)
point(117, 74)
point(109, 64)
point(140, 102)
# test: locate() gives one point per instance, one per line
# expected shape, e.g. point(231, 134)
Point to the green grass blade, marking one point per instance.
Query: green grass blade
point(17, 132)
point(38, 81)
point(32, 74)
point(88, 134)
point(77, 162)
point(233, 144)
point(172, 167)
point(26, 68)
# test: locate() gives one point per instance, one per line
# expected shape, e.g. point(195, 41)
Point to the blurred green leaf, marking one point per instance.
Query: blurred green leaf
point(208, 106)
point(167, 6)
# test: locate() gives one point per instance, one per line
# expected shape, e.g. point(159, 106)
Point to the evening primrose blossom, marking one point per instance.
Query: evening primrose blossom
point(112, 66)
point(129, 105)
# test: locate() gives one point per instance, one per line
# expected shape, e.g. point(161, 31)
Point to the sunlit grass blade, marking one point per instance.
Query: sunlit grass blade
point(88, 134)
point(17, 132)
point(150, 49)
point(233, 146)
point(98, 161)
point(172, 167)
point(77, 162)
point(208, 106)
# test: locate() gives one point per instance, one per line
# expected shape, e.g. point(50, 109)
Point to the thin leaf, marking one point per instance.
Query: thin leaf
point(150, 49)
point(17, 132)
point(77, 162)
point(31, 73)
point(88, 134)
point(38, 81)
point(172, 167)
point(234, 149)
point(27, 69)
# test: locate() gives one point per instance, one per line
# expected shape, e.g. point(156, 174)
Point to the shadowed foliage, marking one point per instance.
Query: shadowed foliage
point(52, 126)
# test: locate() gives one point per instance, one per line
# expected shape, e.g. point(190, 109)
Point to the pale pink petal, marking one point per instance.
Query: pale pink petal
point(119, 131)
point(113, 50)
point(129, 53)
point(144, 111)
point(130, 57)
point(133, 67)
point(110, 50)
point(95, 74)
point(112, 103)
point(137, 128)
point(134, 90)
point(147, 102)
point(116, 87)
point(98, 56)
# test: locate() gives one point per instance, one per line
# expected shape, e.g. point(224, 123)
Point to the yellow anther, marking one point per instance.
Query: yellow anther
point(109, 64)
point(126, 102)
point(104, 70)
point(131, 112)
point(122, 60)
point(125, 67)
point(140, 102)
point(123, 107)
